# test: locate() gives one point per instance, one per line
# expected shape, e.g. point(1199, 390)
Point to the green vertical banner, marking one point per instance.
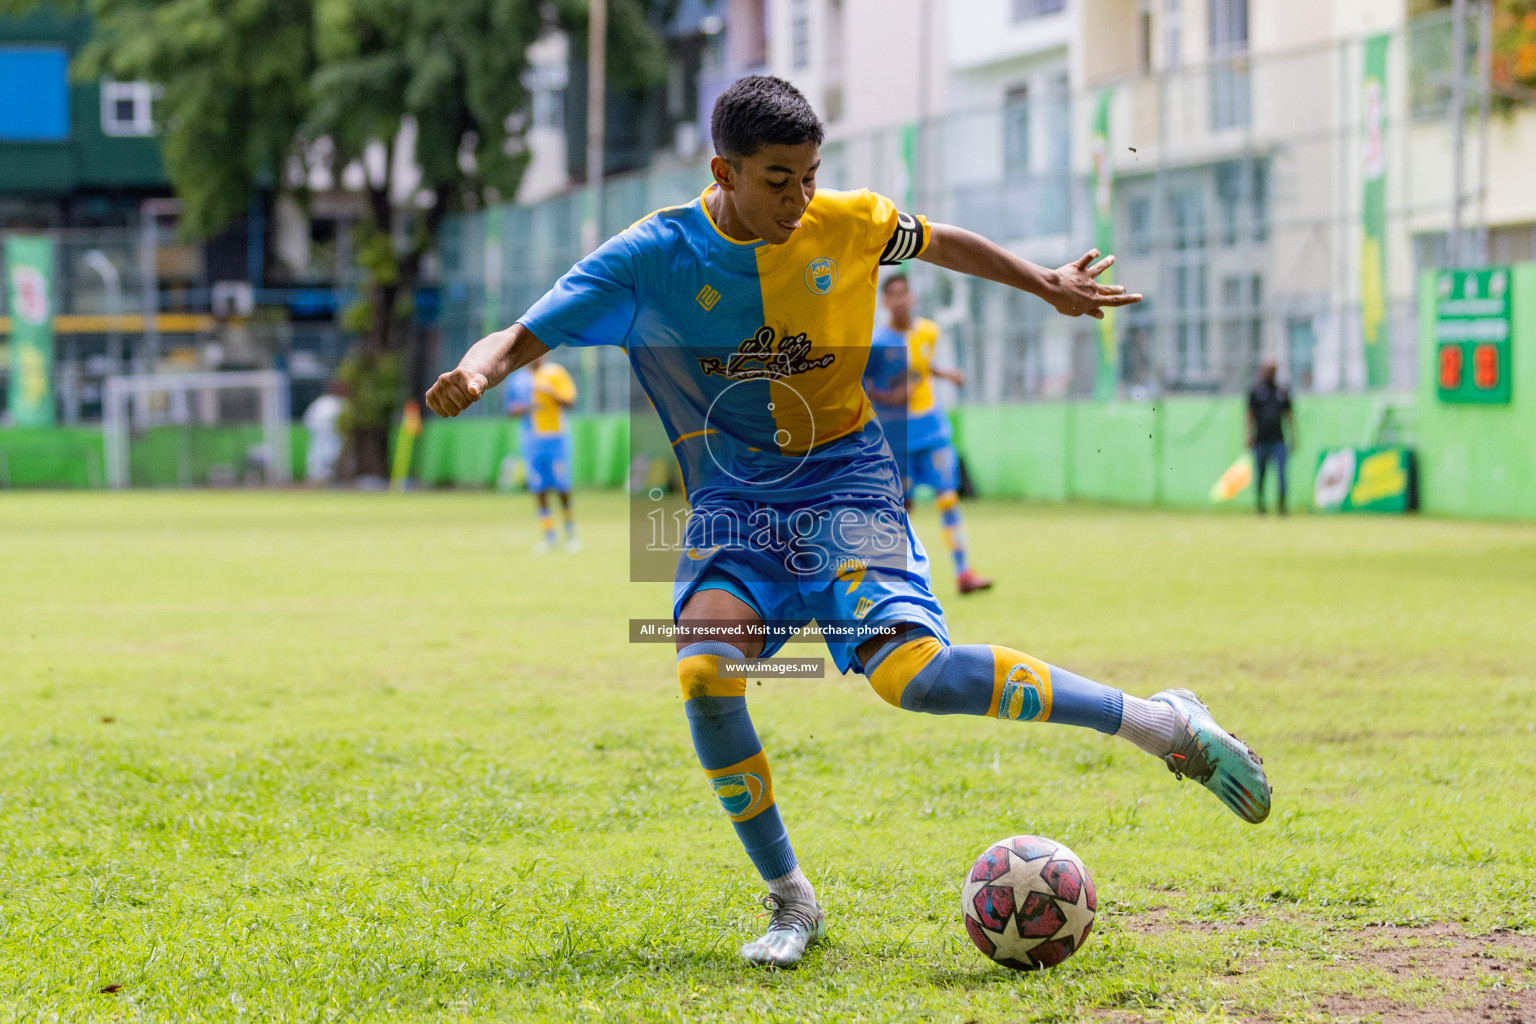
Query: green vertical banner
point(1374, 327)
point(29, 280)
point(1102, 179)
point(907, 173)
point(490, 312)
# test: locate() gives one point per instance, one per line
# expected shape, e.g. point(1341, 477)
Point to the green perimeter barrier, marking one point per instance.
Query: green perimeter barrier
point(1480, 460)
point(1475, 461)
point(468, 452)
point(1164, 452)
point(157, 457)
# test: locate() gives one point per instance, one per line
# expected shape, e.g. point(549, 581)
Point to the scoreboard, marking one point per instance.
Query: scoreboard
point(1472, 335)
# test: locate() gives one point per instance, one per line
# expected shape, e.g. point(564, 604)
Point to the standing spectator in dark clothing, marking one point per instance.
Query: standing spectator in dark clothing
point(1271, 429)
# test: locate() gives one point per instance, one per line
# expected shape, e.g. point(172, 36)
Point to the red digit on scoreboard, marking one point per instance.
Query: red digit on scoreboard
point(1485, 367)
point(1450, 367)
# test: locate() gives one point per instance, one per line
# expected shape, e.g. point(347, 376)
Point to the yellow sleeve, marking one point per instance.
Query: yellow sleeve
point(897, 236)
point(560, 385)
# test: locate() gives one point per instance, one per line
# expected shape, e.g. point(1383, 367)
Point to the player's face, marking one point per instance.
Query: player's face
point(898, 299)
point(773, 187)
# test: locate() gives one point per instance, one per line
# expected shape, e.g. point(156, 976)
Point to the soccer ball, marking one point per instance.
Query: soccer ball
point(1028, 903)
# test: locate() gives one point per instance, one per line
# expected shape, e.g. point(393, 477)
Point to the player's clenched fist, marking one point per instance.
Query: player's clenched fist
point(455, 391)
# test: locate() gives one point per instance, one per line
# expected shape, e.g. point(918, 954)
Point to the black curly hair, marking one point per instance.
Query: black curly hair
point(758, 111)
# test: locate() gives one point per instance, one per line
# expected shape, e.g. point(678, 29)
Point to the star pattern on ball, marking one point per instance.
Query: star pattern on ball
point(1028, 903)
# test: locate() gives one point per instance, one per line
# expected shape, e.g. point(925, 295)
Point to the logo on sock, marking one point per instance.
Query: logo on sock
point(740, 793)
point(1021, 699)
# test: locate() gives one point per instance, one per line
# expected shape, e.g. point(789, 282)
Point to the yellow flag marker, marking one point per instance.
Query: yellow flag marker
point(1235, 480)
point(405, 441)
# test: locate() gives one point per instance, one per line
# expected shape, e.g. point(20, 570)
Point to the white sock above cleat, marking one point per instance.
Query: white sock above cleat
point(793, 887)
point(1150, 724)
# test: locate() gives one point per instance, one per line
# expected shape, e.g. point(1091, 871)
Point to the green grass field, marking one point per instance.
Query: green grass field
point(366, 758)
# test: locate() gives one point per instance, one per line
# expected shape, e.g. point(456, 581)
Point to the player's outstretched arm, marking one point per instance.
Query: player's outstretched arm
point(488, 362)
point(1074, 290)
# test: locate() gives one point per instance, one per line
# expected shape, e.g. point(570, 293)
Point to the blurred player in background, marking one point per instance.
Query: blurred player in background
point(540, 395)
point(1269, 416)
point(322, 420)
point(899, 378)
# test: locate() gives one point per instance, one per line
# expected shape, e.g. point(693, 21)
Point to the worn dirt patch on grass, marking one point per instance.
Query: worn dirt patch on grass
point(1484, 979)
point(1487, 977)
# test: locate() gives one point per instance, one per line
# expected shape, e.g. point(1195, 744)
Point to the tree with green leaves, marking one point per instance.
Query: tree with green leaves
point(424, 95)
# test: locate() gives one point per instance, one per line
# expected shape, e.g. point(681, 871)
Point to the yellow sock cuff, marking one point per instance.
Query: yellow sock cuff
point(892, 675)
point(699, 675)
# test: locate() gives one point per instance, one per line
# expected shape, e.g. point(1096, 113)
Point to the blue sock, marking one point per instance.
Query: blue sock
point(922, 673)
point(732, 756)
point(954, 528)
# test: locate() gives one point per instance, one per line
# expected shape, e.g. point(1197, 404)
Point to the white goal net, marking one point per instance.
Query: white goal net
point(197, 429)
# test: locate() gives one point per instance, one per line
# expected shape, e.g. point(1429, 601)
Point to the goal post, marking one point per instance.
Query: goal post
point(195, 400)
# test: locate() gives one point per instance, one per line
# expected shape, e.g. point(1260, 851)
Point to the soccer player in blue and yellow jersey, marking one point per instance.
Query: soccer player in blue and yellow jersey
point(540, 394)
point(899, 379)
point(747, 316)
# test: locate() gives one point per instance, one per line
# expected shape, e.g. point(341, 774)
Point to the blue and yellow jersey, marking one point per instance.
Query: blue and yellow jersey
point(753, 354)
point(545, 392)
point(908, 355)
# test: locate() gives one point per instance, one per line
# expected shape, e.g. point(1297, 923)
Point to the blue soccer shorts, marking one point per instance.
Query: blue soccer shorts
point(937, 466)
point(852, 565)
point(549, 463)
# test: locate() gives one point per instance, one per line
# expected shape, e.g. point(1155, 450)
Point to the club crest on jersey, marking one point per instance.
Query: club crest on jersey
point(739, 793)
point(1021, 700)
point(757, 359)
point(821, 275)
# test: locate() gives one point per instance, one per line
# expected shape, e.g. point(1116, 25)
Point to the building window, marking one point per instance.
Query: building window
point(1187, 291)
point(800, 34)
point(1229, 69)
point(1186, 214)
point(1023, 10)
point(1016, 148)
point(1243, 298)
point(1138, 226)
point(1191, 358)
point(1301, 340)
point(1242, 201)
point(34, 93)
point(1173, 36)
point(1229, 198)
point(127, 108)
point(546, 94)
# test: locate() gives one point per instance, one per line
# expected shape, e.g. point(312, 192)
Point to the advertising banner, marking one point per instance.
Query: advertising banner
point(1365, 480)
point(1374, 326)
point(1473, 323)
point(1106, 379)
point(29, 283)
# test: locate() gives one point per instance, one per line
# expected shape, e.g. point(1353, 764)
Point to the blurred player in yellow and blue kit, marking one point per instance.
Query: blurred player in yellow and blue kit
point(747, 316)
point(540, 396)
point(899, 378)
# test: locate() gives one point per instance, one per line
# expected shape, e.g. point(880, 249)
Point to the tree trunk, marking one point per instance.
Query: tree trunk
point(371, 445)
point(389, 336)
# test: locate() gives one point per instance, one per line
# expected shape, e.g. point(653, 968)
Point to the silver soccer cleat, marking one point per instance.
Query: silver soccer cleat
point(793, 928)
point(1216, 759)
